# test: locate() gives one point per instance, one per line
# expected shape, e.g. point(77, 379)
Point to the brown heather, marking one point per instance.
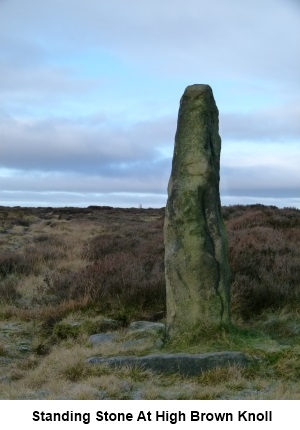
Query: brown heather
point(264, 255)
point(70, 265)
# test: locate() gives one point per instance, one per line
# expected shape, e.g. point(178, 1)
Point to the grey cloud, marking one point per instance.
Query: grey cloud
point(276, 123)
point(41, 84)
point(28, 75)
point(262, 181)
point(189, 40)
point(63, 145)
point(254, 182)
point(188, 37)
point(192, 40)
point(140, 180)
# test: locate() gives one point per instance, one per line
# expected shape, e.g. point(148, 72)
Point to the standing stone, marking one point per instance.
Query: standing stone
point(196, 265)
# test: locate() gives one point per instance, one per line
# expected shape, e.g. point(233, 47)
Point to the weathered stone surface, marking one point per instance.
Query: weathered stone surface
point(99, 338)
point(185, 364)
point(145, 328)
point(196, 265)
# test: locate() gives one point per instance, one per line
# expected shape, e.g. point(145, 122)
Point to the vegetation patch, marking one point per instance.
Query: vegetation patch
point(68, 273)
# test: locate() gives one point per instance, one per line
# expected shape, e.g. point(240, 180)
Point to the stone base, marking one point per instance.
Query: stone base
point(184, 364)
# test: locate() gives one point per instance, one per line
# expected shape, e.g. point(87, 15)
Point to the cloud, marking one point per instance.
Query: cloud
point(219, 42)
point(95, 154)
point(272, 124)
point(35, 84)
point(140, 180)
point(185, 37)
point(262, 181)
point(90, 91)
point(87, 147)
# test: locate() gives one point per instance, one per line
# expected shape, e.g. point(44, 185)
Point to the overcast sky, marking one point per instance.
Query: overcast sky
point(90, 90)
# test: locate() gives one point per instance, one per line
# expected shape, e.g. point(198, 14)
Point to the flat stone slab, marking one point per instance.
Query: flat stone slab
point(184, 364)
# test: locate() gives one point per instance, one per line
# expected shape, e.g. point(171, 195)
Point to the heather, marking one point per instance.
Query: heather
point(63, 271)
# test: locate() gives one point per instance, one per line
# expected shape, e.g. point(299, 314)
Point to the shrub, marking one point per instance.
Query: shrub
point(125, 274)
point(264, 256)
point(122, 279)
point(102, 245)
point(8, 290)
point(13, 263)
point(28, 261)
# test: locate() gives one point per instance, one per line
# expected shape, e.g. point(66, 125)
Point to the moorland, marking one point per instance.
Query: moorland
point(66, 272)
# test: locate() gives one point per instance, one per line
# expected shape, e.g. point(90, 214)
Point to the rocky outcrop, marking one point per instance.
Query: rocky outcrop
point(184, 364)
point(196, 265)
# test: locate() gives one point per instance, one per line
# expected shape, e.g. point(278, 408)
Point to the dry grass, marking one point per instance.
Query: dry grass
point(64, 373)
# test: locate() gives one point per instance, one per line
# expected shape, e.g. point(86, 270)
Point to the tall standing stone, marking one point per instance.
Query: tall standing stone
point(196, 265)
